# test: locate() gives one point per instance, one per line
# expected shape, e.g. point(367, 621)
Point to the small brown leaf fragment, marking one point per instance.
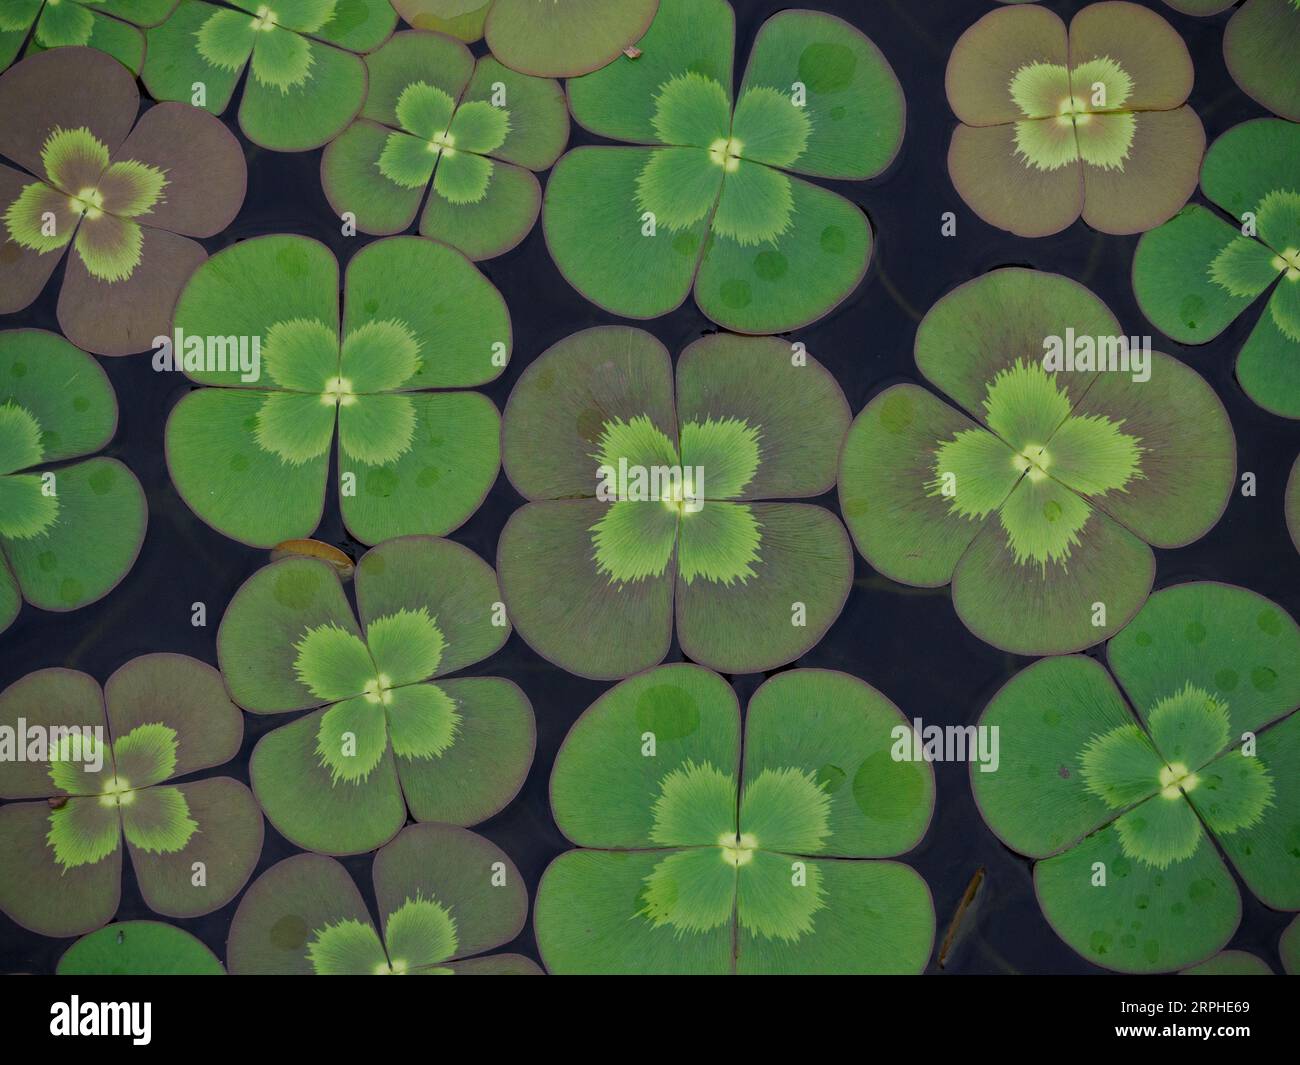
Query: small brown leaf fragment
point(963, 907)
point(343, 565)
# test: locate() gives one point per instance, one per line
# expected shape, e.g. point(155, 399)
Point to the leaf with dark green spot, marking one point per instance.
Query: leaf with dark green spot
point(56, 404)
point(1197, 273)
point(1238, 646)
point(1129, 810)
point(410, 461)
point(713, 205)
point(341, 780)
point(712, 836)
point(444, 897)
point(1144, 919)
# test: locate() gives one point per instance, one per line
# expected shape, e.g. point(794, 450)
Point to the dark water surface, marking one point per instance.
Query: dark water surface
point(907, 642)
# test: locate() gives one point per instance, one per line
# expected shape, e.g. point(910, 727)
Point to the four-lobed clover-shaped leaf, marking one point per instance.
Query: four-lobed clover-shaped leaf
point(391, 733)
point(711, 202)
point(539, 37)
point(1199, 272)
point(1038, 497)
point(1131, 806)
point(158, 718)
point(1155, 796)
point(252, 457)
point(468, 131)
point(445, 896)
point(1056, 124)
point(69, 531)
point(125, 195)
point(595, 566)
point(139, 948)
point(112, 26)
point(703, 852)
point(305, 82)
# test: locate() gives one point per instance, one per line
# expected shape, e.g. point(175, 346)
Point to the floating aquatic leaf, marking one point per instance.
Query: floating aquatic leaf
point(1039, 504)
point(1197, 273)
point(1230, 963)
point(1259, 50)
point(251, 454)
point(125, 196)
point(1056, 124)
point(1200, 7)
point(712, 204)
point(1289, 948)
point(112, 27)
point(139, 948)
point(648, 501)
point(305, 81)
point(445, 896)
point(392, 731)
point(110, 752)
point(1293, 503)
point(702, 861)
point(469, 132)
point(1129, 799)
point(535, 37)
point(69, 530)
